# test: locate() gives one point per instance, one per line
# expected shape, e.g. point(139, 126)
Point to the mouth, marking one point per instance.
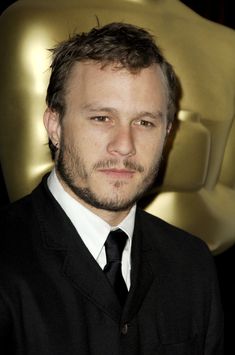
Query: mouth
point(118, 173)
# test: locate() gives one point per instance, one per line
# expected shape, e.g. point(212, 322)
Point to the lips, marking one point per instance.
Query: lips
point(118, 173)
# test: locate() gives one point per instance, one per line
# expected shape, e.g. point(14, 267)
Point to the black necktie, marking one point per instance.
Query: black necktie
point(114, 246)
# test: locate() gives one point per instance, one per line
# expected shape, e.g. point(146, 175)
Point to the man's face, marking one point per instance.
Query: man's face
point(112, 134)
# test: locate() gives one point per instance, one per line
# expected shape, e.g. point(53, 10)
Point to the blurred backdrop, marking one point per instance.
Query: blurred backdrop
point(220, 11)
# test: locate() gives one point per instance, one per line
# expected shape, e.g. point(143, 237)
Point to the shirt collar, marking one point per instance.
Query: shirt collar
point(92, 229)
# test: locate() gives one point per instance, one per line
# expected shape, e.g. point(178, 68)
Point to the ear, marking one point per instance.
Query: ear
point(51, 121)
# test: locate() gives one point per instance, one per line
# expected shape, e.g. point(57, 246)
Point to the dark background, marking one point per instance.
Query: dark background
point(220, 11)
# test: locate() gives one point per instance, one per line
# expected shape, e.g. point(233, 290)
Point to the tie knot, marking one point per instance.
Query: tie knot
point(115, 244)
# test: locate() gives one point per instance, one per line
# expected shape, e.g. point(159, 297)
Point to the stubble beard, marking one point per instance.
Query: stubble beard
point(71, 169)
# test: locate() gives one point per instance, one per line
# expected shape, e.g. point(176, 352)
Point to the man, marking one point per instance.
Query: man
point(82, 269)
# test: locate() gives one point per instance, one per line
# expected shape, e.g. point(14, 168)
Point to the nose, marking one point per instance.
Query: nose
point(122, 142)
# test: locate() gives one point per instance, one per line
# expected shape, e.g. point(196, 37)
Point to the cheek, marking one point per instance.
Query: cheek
point(87, 149)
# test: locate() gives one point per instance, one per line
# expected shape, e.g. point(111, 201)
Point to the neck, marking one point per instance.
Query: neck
point(112, 218)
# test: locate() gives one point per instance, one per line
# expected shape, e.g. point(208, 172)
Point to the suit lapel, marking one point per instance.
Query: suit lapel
point(141, 276)
point(148, 265)
point(79, 266)
point(86, 276)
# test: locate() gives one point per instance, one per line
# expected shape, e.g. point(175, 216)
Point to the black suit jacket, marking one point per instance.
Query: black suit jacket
point(55, 299)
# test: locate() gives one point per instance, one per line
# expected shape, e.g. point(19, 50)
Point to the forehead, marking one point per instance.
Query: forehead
point(91, 79)
point(92, 69)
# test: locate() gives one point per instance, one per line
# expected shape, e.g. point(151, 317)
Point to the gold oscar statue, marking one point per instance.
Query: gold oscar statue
point(198, 190)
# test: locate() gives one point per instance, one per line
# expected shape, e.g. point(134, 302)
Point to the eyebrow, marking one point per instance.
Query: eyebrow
point(93, 108)
point(154, 115)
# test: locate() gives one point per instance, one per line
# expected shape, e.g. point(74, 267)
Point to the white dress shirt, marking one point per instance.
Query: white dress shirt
point(91, 228)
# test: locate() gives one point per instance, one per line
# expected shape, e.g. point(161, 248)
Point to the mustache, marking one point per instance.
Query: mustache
point(112, 163)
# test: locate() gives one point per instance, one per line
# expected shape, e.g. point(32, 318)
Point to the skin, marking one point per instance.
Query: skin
point(111, 137)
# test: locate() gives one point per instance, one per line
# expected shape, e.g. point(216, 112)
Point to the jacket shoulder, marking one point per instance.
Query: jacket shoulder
point(174, 240)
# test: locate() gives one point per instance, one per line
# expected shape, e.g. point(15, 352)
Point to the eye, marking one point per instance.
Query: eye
point(144, 123)
point(100, 118)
